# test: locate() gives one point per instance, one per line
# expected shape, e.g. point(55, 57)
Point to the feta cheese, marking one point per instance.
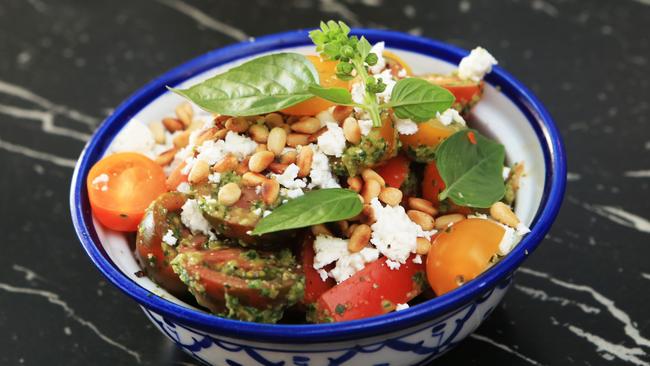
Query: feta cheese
point(401, 73)
point(387, 78)
point(508, 241)
point(365, 125)
point(522, 229)
point(214, 178)
point(406, 126)
point(320, 174)
point(401, 307)
point(257, 211)
point(328, 249)
point(352, 263)
point(240, 146)
point(323, 274)
point(184, 187)
point(505, 172)
point(417, 259)
point(101, 182)
point(449, 116)
point(332, 142)
point(326, 117)
point(192, 217)
point(169, 238)
point(393, 265)
point(288, 178)
point(378, 49)
point(292, 193)
point(358, 92)
point(134, 137)
point(211, 151)
point(474, 66)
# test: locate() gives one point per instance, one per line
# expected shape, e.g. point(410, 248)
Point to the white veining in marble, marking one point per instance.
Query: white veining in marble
point(543, 296)
point(206, 20)
point(30, 275)
point(620, 216)
point(638, 173)
point(504, 347)
point(34, 154)
point(572, 177)
point(605, 347)
point(46, 119)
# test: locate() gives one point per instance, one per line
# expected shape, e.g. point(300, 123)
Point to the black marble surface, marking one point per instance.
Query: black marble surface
point(582, 299)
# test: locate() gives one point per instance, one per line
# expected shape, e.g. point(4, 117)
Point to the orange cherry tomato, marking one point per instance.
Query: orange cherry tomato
point(461, 253)
point(327, 74)
point(393, 57)
point(430, 133)
point(467, 92)
point(121, 186)
point(432, 183)
point(394, 171)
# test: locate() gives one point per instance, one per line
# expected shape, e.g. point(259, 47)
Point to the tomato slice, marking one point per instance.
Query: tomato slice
point(314, 285)
point(394, 171)
point(461, 253)
point(432, 183)
point(374, 290)
point(327, 75)
point(121, 186)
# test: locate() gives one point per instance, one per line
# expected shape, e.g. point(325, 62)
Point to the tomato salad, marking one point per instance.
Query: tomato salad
point(320, 188)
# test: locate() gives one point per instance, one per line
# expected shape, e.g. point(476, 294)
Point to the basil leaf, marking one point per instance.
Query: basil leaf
point(314, 207)
point(335, 95)
point(471, 167)
point(419, 100)
point(262, 85)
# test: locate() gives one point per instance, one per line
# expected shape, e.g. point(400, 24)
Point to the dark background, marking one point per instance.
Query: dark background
point(581, 299)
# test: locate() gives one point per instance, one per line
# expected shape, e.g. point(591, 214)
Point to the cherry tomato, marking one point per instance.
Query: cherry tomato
point(121, 186)
point(432, 183)
point(430, 134)
point(327, 74)
point(462, 252)
point(394, 171)
point(467, 92)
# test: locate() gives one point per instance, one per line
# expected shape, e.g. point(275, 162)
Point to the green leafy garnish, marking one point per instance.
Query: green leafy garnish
point(314, 207)
point(419, 100)
point(471, 167)
point(336, 95)
point(262, 85)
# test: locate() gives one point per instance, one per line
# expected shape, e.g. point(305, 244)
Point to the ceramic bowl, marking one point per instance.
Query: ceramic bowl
point(408, 337)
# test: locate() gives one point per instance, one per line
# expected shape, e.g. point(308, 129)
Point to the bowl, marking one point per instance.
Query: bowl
point(409, 337)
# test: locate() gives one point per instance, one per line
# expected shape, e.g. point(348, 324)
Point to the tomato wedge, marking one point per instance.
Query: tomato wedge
point(394, 171)
point(432, 183)
point(314, 285)
point(467, 92)
point(121, 186)
point(374, 290)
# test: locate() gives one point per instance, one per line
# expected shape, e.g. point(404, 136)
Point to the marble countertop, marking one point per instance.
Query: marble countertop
point(581, 299)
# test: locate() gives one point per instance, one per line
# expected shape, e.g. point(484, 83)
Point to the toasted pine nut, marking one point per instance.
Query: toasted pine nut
point(229, 194)
point(369, 174)
point(274, 119)
point(199, 172)
point(351, 130)
point(226, 164)
point(172, 124)
point(166, 157)
point(158, 132)
point(262, 147)
point(442, 222)
point(423, 219)
point(185, 113)
point(313, 138)
point(306, 125)
point(304, 160)
point(277, 140)
point(270, 191)
point(259, 133)
point(368, 214)
point(278, 168)
point(237, 124)
point(355, 184)
point(221, 134)
point(260, 161)
point(251, 179)
point(390, 196)
point(359, 238)
point(340, 113)
point(242, 168)
point(423, 205)
point(289, 157)
point(350, 230)
point(181, 139)
point(423, 246)
point(320, 229)
point(503, 214)
point(206, 135)
point(297, 139)
point(370, 190)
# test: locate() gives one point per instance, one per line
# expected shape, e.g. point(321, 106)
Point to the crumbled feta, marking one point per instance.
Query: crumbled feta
point(169, 238)
point(352, 263)
point(401, 307)
point(474, 66)
point(393, 265)
point(406, 126)
point(358, 92)
point(240, 146)
point(508, 241)
point(323, 274)
point(378, 49)
point(505, 172)
point(211, 152)
point(288, 178)
point(328, 249)
point(134, 137)
point(184, 187)
point(449, 116)
point(365, 125)
point(417, 259)
point(214, 178)
point(292, 193)
point(522, 229)
point(320, 174)
point(326, 117)
point(192, 217)
point(266, 213)
point(257, 211)
point(401, 73)
point(332, 142)
point(387, 78)
point(101, 182)
point(208, 122)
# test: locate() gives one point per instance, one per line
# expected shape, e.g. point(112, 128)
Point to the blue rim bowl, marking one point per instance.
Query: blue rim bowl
point(553, 192)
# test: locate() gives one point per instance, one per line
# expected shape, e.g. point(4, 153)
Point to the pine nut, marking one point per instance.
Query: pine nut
point(206, 135)
point(172, 124)
point(289, 157)
point(368, 214)
point(274, 119)
point(304, 160)
point(259, 133)
point(350, 230)
point(185, 113)
point(503, 214)
point(423, 219)
point(237, 124)
point(262, 147)
point(181, 139)
point(390, 196)
point(277, 140)
point(442, 222)
point(221, 134)
point(278, 168)
point(242, 168)
point(313, 138)
point(229, 194)
point(369, 174)
point(251, 179)
point(297, 139)
point(158, 132)
point(228, 163)
point(320, 229)
point(166, 157)
point(340, 113)
point(359, 238)
point(270, 191)
point(370, 190)
point(260, 161)
point(355, 184)
point(352, 131)
point(199, 172)
point(423, 205)
point(306, 125)
point(423, 246)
